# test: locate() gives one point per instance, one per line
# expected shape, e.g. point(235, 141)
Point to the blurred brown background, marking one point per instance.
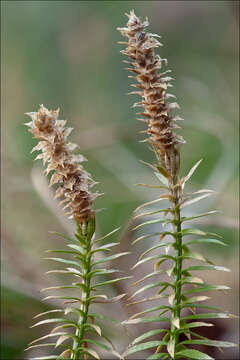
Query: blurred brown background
point(65, 53)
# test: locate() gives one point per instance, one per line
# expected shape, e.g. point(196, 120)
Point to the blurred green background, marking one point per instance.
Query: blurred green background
point(65, 54)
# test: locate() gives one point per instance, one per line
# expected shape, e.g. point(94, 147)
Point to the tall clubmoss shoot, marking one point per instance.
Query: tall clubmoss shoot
point(74, 187)
point(157, 113)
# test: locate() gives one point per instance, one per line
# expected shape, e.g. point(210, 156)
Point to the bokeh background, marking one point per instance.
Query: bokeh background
point(65, 54)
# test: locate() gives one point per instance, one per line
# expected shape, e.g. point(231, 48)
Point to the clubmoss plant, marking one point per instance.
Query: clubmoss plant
point(153, 84)
point(75, 322)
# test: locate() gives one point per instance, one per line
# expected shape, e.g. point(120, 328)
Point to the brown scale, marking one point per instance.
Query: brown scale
point(73, 181)
point(146, 65)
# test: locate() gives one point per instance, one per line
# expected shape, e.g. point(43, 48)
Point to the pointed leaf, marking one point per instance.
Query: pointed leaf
point(150, 286)
point(210, 316)
point(150, 222)
point(108, 282)
point(102, 317)
point(48, 312)
point(93, 353)
point(183, 219)
point(146, 320)
point(110, 258)
point(205, 241)
point(192, 201)
point(143, 346)
point(193, 354)
point(145, 237)
point(188, 176)
point(149, 213)
point(148, 334)
point(106, 236)
point(206, 267)
point(50, 321)
point(209, 343)
point(64, 261)
point(154, 248)
point(148, 276)
point(195, 324)
point(104, 248)
point(154, 257)
point(97, 343)
point(206, 287)
point(162, 197)
point(156, 308)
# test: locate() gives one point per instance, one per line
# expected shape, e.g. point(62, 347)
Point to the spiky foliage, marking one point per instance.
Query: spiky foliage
point(76, 326)
point(157, 112)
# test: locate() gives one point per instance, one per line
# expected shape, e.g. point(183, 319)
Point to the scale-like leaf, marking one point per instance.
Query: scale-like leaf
point(39, 345)
point(70, 262)
point(156, 308)
point(145, 237)
point(148, 276)
point(151, 298)
point(65, 252)
point(206, 267)
point(104, 248)
point(193, 354)
point(193, 201)
point(106, 236)
point(143, 346)
point(154, 248)
point(108, 282)
point(48, 312)
point(50, 321)
point(97, 343)
point(200, 306)
point(193, 231)
point(102, 317)
point(149, 213)
point(189, 175)
point(162, 197)
point(194, 325)
point(75, 286)
point(146, 320)
point(151, 286)
point(110, 258)
point(148, 334)
point(53, 335)
point(154, 257)
point(91, 352)
point(209, 343)
point(209, 316)
point(95, 327)
point(206, 287)
point(152, 186)
point(205, 241)
point(150, 222)
point(183, 219)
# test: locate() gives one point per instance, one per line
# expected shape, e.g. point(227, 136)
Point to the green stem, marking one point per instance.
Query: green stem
point(85, 232)
point(176, 312)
